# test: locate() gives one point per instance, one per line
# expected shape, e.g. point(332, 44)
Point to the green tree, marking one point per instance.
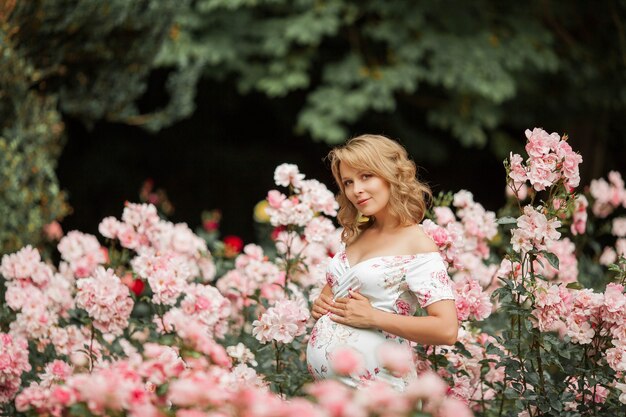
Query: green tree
point(420, 70)
point(89, 60)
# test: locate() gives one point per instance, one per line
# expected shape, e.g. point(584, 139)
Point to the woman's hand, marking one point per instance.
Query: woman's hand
point(321, 306)
point(355, 311)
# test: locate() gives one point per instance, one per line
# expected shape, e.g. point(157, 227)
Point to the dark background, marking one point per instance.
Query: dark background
point(223, 157)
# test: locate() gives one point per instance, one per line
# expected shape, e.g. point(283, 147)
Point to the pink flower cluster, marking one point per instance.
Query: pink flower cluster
point(584, 314)
point(208, 306)
point(318, 230)
point(160, 363)
point(201, 389)
point(551, 303)
point(241, 354)
point(167, 275)
point(378, 398)
point(38, 295)
point(534, 230)
point(550, 159)
point(82, 252)
point(13, 363)
point(472, 303)
point(143, 231)
point(607, 196)
point(309, 197)
point(565, 251)
point(201, 318)
point(26, 265)
point(479, 225)
point(129, 387)
point(194, 334)
point(464, 242)
point(283, 322)
point(449, 240)
point(55, 372)
point(106, 300)
point(253, 271)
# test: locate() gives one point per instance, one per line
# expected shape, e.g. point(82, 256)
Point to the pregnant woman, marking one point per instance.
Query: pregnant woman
point(387, 267)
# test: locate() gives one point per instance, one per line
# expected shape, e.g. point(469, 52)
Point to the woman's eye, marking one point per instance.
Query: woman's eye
point(366, 176)
point(346, 183)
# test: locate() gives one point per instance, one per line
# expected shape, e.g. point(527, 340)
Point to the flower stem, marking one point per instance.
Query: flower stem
point(279, 367)
point(91, 354)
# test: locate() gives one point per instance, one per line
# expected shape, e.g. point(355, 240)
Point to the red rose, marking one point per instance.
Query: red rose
point(232, 245)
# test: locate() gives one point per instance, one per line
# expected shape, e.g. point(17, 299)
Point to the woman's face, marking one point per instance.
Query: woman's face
point(366, 191)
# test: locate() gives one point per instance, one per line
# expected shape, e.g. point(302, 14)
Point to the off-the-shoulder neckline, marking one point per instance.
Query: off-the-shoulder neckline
point(415, 255)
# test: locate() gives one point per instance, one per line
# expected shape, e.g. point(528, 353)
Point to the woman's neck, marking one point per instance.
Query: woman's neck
point(383, 222)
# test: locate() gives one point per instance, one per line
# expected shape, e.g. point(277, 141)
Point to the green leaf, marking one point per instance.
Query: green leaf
point(552, 259)
point(556, 403)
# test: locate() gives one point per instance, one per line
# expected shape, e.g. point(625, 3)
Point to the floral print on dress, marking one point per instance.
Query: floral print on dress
point(331, 280)
point(437, 288)
point(441, 276)
point(403, 307)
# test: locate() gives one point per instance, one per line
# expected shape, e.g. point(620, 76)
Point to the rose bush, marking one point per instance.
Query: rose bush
point(163, 321)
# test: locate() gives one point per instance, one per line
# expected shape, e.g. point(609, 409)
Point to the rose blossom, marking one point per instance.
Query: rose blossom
point(540, 142)
point(83, 253)
point(518, 173)
point(396, 357)
point(318, 229)
point(471, 302)
point(619, 227)
point(53, 231)
point(288, 174)
point(542, 172)
point(275, 198)
point(283, 322)
point(346, 361)
point(106, 300)
point(444, 215)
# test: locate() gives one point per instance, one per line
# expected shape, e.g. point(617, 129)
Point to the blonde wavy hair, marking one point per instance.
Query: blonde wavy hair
point(388, 160)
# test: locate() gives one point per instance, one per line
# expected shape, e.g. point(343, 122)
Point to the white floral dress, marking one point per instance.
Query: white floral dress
point(395, 284)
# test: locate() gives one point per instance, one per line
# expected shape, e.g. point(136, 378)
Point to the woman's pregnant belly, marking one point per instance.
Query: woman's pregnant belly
point(327, 335)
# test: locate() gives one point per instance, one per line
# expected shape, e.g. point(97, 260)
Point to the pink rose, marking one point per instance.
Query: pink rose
point(396, 358)
point(346, 361)
point(444, 215)
point(540, 142)
point(275, 198)
point(518, 171)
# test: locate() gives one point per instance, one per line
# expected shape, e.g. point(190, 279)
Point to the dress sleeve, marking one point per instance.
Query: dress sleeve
point(429, 281)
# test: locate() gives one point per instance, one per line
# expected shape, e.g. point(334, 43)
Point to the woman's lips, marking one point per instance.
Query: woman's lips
point(361, 202)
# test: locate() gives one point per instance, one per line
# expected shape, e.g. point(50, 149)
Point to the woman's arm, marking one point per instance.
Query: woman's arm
point(439, 328)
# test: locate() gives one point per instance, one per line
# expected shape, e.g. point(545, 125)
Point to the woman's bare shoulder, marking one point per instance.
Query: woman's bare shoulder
point(419, 241)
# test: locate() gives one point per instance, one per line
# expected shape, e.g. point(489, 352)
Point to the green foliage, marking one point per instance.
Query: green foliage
point(457, 63)
point(30, 142)
point(96, 56)
point(87, 59)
